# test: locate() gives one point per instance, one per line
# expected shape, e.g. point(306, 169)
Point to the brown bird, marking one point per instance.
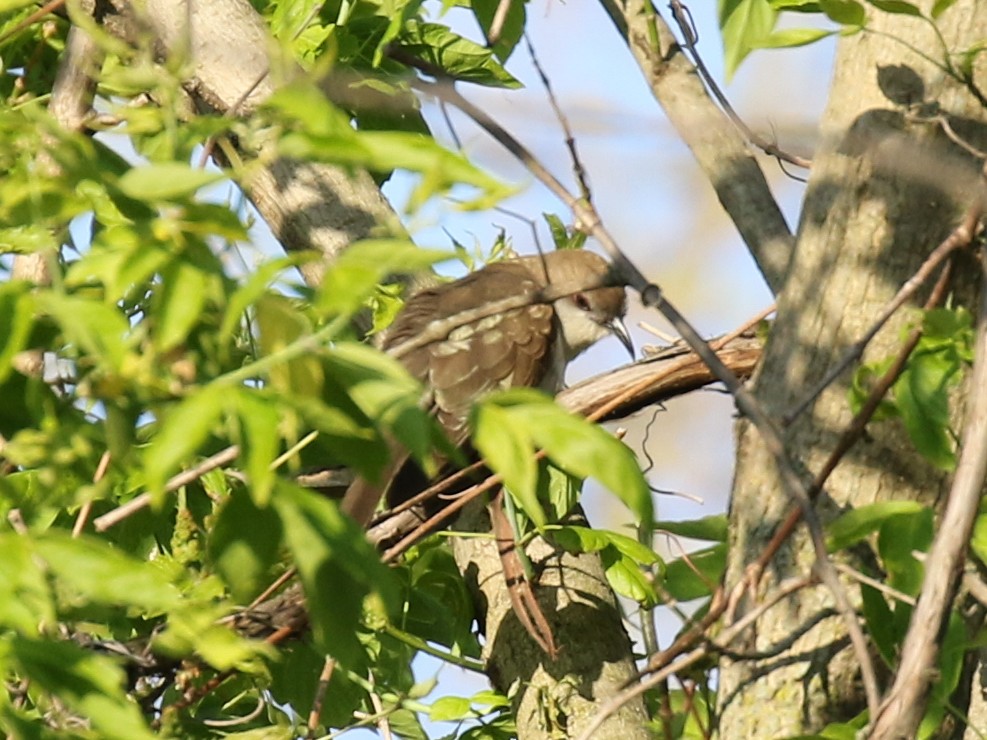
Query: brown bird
point(569, 302)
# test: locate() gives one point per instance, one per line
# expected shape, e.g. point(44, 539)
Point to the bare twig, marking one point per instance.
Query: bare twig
point(683, 17)
point(570, 140)
point(320, 694)
point(86, 510)
point(142, 501)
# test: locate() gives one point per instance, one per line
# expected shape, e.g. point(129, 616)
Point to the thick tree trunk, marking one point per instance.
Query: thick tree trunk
point(553, 698)
point(887, 186)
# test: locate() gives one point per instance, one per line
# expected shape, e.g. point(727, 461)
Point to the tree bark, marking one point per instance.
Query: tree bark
point(553, 698)
point(887, 185)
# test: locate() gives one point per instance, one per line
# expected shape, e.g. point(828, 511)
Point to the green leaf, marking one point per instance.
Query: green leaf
point(922, 398)
point(743, 23)
point(941, 6)
point(104, 574)
point(338, 568)
point(16, 320)
point(383, 390)
point(880, 622)
point(279, 324)
point(847, 12)
point(95, 328)
point(197, 630)
point(88, 683)
point(184, 428)
point(582, 448)
point(562, 236)
point(167, 181)
point(586, 539)
point(856, 524)
point(509, 451)
point(451, 709)
point(182, 297)
point(899, 537)
point(455, 55)
point(259, 416)
point(512, 29)
point(695, 575)
point(797, 6)
point(244, 545)
point(978, 542)
point(626, 577)
point(354, 276)
point(792, 37)
point(321, 132)
point(713, 528)
point(254, 286)
point(898, 7)
point(26, 598)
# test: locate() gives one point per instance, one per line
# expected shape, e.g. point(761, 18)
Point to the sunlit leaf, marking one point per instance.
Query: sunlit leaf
point(184, 428)
point(338, 567)
point(165, 181)
point(743, 23)
point(90, 684)
point(851, 527)
point(695, 575)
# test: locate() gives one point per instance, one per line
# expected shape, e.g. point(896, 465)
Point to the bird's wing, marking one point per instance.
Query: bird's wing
point(504, 350)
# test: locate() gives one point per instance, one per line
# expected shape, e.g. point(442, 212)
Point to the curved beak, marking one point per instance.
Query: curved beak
point(619, 329)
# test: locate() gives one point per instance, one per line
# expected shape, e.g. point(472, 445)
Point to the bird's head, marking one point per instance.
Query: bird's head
point(592, 307)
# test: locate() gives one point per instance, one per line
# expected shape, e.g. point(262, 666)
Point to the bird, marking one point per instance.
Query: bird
point(567, 301)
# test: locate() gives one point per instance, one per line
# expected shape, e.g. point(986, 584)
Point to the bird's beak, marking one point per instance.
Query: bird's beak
point(619, 329)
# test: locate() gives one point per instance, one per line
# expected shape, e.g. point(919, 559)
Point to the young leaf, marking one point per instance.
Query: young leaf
point(244, 545)
point(338, 568)
point(695, 575)
point(184, 428)
point(851, 527)
point(354, 276)
point(743, 23)
point(167, 181)
point(508, 449)
point(90, 684)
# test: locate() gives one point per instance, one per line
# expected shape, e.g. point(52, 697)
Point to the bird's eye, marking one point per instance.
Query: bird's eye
point(581, 301)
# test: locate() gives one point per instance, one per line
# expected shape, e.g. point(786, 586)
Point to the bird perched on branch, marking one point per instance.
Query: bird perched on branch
point(515, 323)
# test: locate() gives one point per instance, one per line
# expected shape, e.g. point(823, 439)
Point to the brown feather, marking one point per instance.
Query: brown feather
point(506, 350)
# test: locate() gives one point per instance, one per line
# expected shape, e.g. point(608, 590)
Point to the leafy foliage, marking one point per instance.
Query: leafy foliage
point(921, 397)
point(169, 356)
